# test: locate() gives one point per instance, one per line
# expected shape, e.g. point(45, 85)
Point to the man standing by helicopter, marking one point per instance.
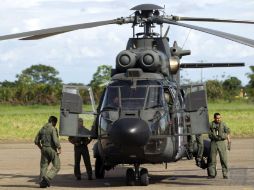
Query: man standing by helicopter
point(80, 148)
point(48, 142)
point(218, 133)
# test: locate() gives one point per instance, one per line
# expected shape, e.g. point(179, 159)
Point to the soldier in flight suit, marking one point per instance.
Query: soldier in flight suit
point(48, 142)
point(80, 148)
point(218, 133)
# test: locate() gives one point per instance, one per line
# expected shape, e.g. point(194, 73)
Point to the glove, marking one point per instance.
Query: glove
point(229, 146)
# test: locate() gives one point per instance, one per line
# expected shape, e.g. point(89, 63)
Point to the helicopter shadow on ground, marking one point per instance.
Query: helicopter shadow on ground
point(67, 180)
point(113, 178)
point(178, 179)
point(62, 180)
point(116, 178)
point(238, 176)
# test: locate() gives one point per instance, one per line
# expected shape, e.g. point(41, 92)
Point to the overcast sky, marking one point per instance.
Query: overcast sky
point(76, 55)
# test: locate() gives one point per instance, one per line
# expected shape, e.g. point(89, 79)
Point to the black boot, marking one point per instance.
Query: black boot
point(44, 183)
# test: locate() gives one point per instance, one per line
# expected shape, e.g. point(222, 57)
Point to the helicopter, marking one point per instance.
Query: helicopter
point(144, 115)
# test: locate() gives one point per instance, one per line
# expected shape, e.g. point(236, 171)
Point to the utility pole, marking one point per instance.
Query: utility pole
point(201, 73)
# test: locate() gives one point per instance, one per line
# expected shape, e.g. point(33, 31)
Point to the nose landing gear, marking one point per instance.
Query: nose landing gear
point(139, 175)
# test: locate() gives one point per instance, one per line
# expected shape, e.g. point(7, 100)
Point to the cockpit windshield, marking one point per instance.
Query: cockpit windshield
point(133, 98)
point(128, 96)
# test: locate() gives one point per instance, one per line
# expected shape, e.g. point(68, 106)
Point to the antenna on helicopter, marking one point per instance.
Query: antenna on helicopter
point(166, 33)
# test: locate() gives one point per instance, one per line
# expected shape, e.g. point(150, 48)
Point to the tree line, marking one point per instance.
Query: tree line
point(40, 84)
point(231, 89)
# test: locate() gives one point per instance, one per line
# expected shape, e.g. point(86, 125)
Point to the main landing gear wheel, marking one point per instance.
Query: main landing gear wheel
point(99, 168)
point(130, 177)
point(144, 179)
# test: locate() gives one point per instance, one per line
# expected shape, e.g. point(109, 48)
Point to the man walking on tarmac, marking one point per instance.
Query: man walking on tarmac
point(47, 140)
point(218, 133)
point(80, 148)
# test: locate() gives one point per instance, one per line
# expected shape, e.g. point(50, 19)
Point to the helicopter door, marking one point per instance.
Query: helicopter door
point(72, 108)
point(196, 113)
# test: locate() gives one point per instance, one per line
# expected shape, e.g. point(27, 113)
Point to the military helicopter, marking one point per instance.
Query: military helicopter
point(144, 115)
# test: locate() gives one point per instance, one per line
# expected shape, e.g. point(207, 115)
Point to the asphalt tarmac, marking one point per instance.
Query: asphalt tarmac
point(19, 169)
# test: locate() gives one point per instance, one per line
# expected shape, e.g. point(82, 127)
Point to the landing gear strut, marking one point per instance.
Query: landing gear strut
point(133, 176)
point(99, 168)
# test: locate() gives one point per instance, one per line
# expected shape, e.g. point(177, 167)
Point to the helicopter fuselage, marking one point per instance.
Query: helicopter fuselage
point(136, 122)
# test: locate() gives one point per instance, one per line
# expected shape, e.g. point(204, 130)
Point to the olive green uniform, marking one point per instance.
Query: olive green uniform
point(218, 134)
point(47, 138)
point(81, 149)
point(200, 146)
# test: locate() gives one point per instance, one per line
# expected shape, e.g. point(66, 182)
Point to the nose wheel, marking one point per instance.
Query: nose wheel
point(137, 175)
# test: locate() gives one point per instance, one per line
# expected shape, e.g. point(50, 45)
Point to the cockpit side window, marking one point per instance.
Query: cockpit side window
point(111, 99)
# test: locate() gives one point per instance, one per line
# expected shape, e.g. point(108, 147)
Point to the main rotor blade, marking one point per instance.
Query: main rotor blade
point(207, 65)
point(239, 39)
point(38, 34)
point(179, 18)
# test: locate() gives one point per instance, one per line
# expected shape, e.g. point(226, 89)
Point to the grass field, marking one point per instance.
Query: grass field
point(23, 122)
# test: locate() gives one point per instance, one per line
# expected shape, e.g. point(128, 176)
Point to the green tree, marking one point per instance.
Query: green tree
point(100, 78)
point(8, 83)
point(37, 74)
point(7, 94)
point(214, 90)
point(251, 77)
point(231, 87)
point(250, 86)
point(37, 84)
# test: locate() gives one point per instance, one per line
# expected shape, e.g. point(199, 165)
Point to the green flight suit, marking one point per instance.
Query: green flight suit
point(200, 146)
point(48, 139)
point(81, 149)
point(218, 134)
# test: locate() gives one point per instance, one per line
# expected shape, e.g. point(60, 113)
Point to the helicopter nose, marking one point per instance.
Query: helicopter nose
point(130, 132)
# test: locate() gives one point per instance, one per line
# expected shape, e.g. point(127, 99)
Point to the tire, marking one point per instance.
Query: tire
point(130, 177)
point(99, 168)
point(144, 179)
